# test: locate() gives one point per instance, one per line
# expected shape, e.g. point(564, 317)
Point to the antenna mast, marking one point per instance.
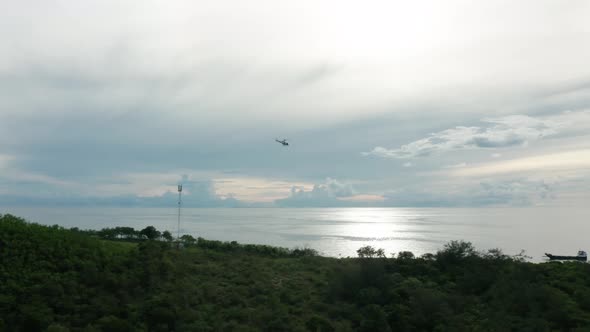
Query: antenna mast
point(179, 205)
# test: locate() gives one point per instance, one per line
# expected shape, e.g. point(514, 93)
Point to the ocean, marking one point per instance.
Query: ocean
point(339, 232)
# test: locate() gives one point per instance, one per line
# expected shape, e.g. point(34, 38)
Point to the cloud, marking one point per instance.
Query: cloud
point(5, 160)
point(523, 192)
point(256, 189)
point(196, 193)
point(338, 189)
point(134, 189)
point(365, 199)
point(459, 165)
point(16, 181)
point(510, 192)
point(501, 132)
point(116, 112)
point(329, 193)
point(575, 160)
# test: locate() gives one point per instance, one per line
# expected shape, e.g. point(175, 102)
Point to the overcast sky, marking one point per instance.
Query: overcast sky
point(385, 103)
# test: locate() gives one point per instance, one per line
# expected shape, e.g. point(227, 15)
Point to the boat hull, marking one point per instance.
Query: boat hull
point(566, 258)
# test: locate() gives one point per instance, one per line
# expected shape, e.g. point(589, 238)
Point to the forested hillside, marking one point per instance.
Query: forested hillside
point(55, 279)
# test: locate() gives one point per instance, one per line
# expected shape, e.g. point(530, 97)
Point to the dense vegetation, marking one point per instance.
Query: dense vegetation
point(54, 279)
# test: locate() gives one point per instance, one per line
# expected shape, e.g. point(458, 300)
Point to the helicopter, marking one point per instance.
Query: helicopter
point(284, 141)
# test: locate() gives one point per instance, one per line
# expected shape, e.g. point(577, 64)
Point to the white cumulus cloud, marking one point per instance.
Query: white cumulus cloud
point(500, 132)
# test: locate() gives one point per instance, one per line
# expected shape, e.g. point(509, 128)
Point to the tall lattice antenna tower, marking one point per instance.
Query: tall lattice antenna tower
point(179, 205)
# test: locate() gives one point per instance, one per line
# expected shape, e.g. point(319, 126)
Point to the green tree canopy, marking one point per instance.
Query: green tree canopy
point(166, 235)
point(150, 232)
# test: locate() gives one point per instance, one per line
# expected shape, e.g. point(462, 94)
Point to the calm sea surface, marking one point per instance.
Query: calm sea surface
point(340, 231)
